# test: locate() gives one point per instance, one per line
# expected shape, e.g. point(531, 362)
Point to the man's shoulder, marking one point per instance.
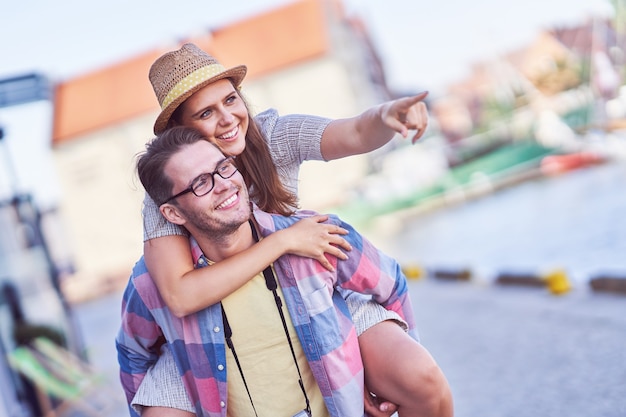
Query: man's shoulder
point(285, 221)
point(306, 213)
point(139, 269)
point(141, 290)
point(140, 278)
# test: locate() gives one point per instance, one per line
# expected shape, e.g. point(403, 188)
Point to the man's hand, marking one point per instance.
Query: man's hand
point(378, 407)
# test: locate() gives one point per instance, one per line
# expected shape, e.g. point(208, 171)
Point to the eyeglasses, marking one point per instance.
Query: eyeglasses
point(204, 183)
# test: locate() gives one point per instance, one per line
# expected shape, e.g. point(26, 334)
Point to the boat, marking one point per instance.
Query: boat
point(558, 164)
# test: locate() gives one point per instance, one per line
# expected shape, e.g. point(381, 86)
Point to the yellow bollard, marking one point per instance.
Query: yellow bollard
point(413, 271)
point(557, 281)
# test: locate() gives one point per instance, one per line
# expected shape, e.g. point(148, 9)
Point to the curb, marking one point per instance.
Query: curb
point(611, 284)
point(452, 275)
point(525, 280)
point(556, 281)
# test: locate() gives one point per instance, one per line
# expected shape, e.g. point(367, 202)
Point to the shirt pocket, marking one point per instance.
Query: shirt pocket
point(323, 316)
point(317, 300)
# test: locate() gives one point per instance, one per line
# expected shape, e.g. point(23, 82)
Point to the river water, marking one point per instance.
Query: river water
point(575, 221)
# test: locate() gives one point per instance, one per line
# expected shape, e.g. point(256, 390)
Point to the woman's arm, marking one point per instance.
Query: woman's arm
point(165, 412)
point(186, 290)
point(375, 127)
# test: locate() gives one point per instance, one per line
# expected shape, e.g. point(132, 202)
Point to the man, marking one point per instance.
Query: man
point(201, 190)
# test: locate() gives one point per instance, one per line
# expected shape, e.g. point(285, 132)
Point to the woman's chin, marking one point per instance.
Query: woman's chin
point(235, 147)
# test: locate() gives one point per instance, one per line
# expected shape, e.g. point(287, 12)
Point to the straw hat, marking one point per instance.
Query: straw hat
point(176, 75)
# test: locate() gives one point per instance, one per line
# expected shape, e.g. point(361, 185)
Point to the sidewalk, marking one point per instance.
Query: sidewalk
point(99, 321)
point(522, 352)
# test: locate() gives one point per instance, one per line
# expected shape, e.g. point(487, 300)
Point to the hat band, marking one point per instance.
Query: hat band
point(190, 81)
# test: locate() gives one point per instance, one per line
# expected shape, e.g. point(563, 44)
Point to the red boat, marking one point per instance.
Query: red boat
point(557, 164)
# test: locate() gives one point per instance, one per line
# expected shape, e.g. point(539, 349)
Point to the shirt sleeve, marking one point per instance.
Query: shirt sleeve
point(138, 341)
point(155, 225)
point(370, 271)
point(151, 392)
point(292, 139)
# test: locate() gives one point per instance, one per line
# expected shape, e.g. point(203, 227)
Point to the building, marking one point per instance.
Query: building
point(565, 72)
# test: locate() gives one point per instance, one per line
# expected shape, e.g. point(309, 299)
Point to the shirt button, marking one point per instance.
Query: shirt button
point(222, 404)
point(220, 367)
point(216, 329)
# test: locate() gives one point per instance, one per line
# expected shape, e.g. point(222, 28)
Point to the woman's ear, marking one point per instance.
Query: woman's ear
point(172, 214)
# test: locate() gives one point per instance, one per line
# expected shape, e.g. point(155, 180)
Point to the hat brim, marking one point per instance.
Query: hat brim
point(236, 74)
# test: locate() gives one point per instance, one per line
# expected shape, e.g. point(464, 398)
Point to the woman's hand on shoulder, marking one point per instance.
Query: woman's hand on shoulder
point(310, 237)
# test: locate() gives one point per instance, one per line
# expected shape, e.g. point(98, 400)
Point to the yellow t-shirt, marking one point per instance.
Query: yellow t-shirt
point(265, 357)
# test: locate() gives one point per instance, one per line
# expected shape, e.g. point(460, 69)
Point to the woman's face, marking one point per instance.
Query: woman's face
point(220, 114)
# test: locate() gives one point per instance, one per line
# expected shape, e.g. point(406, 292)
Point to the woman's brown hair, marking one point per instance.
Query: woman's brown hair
point(260, 174)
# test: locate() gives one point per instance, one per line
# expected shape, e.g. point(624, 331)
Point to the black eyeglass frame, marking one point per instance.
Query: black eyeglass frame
point(190, 189)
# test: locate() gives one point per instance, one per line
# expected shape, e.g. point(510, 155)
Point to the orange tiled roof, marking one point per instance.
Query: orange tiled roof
point(268, 42)
point(265, 43)
point(103, 97)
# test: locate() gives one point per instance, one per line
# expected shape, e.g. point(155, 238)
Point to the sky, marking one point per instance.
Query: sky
point(423, 44)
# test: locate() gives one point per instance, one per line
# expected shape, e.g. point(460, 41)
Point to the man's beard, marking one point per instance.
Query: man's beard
point(212, 226)
point(217, 230)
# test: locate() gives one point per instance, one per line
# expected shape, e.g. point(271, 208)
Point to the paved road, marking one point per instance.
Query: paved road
point(507, 352)
point(521, 352)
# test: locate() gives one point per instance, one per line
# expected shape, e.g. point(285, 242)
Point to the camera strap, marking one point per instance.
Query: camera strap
point(272, 285)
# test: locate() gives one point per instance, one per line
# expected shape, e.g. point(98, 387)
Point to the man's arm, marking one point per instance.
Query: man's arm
point(370, 271)
point(367, 270)
point(138, 341)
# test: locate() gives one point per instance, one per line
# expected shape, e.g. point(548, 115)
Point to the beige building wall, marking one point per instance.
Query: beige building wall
point(101, 204)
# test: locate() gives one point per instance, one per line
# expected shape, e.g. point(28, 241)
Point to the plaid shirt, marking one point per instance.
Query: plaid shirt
point(319, 314)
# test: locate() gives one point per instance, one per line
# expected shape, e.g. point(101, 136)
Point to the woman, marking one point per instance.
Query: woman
point(194, 90)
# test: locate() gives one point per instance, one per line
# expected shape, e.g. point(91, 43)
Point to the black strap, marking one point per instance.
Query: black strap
point(272, 285)
point(228, 333)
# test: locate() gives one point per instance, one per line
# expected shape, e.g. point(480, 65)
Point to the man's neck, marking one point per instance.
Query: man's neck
point(219, 248)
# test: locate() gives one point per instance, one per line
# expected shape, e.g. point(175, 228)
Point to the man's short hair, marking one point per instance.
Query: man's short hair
point(151, 163)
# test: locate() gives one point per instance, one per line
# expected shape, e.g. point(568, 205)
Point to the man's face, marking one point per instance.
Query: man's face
point(223, 209)
point(220, 114)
